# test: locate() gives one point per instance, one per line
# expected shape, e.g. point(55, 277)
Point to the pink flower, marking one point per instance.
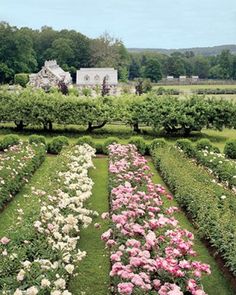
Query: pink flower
point(105, 215)
point(125, 288)
point(97, 225)
point(5, 240)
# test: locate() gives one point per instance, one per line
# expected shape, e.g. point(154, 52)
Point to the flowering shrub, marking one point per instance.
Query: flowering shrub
point(150, 253)
point(211, 206)
point(17, 164)
point(222, 168)
point(40, 256)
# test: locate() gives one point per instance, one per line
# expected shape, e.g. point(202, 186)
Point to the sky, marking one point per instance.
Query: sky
point(138, 23)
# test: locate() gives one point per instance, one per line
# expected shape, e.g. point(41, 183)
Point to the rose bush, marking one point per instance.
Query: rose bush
point(17, 164)
point(41, 254)
point(150, 253)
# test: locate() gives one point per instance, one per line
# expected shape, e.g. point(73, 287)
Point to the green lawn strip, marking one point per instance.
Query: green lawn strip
point(24, 199)
point(216, 283)
point(93, 270)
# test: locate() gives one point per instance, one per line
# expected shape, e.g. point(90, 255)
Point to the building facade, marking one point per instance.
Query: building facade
point(49, 76)
point(90, 77)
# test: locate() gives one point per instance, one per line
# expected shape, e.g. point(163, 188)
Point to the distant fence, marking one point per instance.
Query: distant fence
point(190, 81)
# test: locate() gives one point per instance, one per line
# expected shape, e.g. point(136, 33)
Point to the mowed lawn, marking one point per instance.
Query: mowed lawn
point(93, 270)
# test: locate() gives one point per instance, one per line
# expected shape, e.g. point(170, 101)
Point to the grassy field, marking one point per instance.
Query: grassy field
point(216, 283)
point(194, 87)
point(93, 270)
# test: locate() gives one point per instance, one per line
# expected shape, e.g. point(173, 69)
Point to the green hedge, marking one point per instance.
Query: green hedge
point(211, 207)
point(23, 160)
point(57, 144)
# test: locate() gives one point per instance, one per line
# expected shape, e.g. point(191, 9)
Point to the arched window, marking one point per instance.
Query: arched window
point(86, 78)
point(97, 78)
point(107, 77)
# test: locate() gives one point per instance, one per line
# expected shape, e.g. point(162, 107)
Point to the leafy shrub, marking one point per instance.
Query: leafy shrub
point(211, 206)
point(140, 144)
point(19, 163)
point(86, 139)
point(204, 144)
point(21, 79)
point(9, 140)
point(107, 142)
point(37, 139)
point(56, 145)
point(186, 146)
point(99, 148)
point(157, 143)
point(230, 149)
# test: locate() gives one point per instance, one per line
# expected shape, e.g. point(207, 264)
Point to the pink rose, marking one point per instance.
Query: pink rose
point(5, 240)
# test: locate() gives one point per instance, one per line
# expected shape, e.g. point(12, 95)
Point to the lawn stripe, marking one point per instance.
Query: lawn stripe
point(93, 270)
point(216, 283)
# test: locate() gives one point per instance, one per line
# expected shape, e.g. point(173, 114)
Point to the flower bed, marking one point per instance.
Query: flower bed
point(211, 206)
point(40, 255)
point(218, 165)
point(150, 253)
point(17, 164)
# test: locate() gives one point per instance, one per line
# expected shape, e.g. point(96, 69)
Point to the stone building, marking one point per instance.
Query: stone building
point(93, 77)
point(50, 75)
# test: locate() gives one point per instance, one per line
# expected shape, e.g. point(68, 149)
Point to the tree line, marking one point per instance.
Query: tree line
point(24, 50)
point(161, 113)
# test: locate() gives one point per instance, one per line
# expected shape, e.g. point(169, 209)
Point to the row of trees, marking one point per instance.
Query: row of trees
point(37, 108)
point(24, 50)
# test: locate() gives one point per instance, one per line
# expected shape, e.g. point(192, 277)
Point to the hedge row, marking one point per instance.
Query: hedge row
point(18, 163)
point(209, 156)
point(216, 91)
point(211, 207)
point(171, 114)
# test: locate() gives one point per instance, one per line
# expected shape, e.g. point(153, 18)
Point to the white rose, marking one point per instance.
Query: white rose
point(18, 292)
point(45, 283)
point(60, 283)
point(69, 268)
point(32, 291)
point(21, 275)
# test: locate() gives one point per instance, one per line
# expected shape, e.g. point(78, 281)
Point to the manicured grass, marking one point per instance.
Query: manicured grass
point(216, 283)
point(93, 270)
point(24, 199)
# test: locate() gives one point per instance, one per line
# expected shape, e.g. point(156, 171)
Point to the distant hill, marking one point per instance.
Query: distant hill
point(207, 51)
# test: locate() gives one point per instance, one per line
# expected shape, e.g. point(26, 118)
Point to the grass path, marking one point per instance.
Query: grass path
point(24, 200)
point(216, 283)
point(93, 270)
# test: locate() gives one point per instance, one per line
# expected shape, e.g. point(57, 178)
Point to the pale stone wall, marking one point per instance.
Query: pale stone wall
point(94, 76)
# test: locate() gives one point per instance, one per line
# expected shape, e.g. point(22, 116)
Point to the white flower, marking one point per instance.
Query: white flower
point(223, 197)
point(66, 293)
point(32, 291)
point(45, 283)
point(21, 275)
point(60, 283)
point(69, 268)
point(56, 292)
point(18, 292)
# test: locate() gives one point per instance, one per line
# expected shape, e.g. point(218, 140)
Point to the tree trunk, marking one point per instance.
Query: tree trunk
point(91, 127)
point(19, 125)
point(136, 128)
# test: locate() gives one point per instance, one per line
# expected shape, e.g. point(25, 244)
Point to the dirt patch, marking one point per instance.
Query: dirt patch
point(101, 156)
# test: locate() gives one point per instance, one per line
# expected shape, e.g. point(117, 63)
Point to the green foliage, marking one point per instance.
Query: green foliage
point(152, 70)
point(107, 142)
point(211, 207)
point(17, 165)
point(21, 79)
point(157, 143)
point(99, 148)
point(9, 140)
point(37, 139)
point(86, 139)
point(204, 144)
point(139, 142)
point(186, 146)
point(230, 149)
point(86, 91)
point(57, 144)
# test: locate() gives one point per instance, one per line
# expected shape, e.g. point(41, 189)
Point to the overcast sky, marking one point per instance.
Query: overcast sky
point(139, 23)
